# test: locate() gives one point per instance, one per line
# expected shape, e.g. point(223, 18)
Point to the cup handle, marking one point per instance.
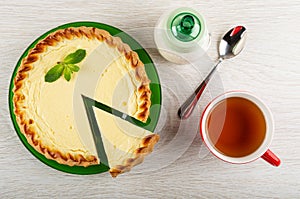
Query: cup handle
point(271, 158)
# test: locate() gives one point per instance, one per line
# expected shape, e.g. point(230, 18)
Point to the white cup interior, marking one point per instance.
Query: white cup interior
point(269, 127)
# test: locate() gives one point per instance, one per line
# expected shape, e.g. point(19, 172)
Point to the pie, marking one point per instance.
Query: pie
point(52, 115)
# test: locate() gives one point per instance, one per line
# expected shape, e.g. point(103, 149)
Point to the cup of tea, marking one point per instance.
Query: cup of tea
point(237, 127)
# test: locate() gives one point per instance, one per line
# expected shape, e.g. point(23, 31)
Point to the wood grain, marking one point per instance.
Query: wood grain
point(268, 67)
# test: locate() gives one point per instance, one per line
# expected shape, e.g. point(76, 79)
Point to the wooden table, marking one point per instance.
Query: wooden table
point(268, 67)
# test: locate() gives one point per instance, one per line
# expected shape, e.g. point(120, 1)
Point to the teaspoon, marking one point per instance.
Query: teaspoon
point(231, 45)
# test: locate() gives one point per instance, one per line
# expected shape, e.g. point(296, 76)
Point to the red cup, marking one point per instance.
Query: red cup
point(262, 151)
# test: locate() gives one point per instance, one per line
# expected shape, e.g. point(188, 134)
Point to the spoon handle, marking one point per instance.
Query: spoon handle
point(188, 106)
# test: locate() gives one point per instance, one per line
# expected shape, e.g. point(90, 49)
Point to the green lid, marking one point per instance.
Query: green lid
point(185, 27)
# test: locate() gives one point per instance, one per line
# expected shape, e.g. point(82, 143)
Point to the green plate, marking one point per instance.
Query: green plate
point(154, 86)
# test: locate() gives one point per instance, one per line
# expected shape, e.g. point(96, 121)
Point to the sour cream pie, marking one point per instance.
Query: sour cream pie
point(52, 117)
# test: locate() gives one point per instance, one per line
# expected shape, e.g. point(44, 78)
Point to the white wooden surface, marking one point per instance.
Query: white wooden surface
point(269, 67)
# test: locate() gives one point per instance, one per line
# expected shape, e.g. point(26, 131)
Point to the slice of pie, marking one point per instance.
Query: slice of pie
point(52, 115)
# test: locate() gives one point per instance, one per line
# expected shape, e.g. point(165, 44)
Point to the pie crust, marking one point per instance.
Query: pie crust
point(27, 124)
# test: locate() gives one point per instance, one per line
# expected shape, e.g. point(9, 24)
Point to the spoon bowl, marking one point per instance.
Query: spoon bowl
point(233, 42)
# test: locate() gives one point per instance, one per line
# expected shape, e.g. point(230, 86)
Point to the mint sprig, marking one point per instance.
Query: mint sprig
point(66, 67)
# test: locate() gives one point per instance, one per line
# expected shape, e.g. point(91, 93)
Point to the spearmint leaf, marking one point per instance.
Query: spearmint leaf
point(73, 67)
point(75, 57)
point(67, 73)
point(54, 73)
